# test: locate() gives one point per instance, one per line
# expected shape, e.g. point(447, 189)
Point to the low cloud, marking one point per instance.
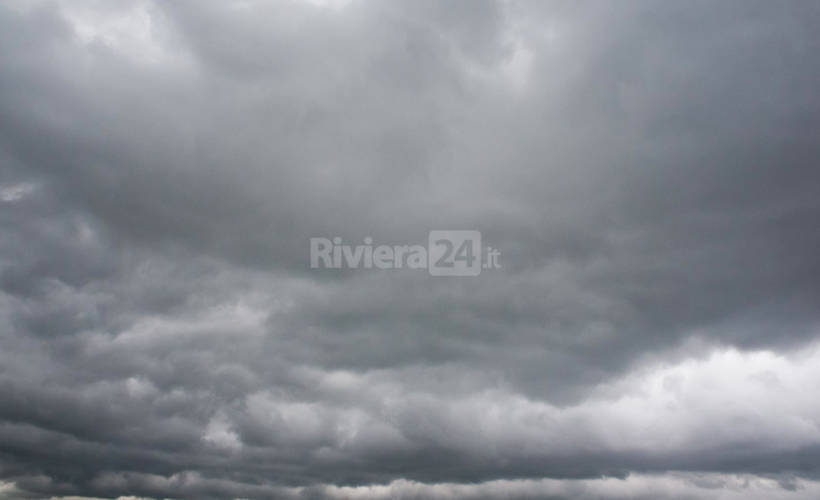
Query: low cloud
point(647, 172)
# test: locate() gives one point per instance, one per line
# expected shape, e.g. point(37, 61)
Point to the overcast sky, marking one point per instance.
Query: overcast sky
point(649, 172)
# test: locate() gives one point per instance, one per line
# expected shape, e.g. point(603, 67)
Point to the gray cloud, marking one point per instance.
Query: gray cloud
point(647, 171)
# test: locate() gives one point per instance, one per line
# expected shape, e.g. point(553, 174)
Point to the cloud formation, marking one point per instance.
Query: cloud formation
point(648, 172)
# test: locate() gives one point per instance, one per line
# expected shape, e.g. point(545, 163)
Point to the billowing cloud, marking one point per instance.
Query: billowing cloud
point(647, 171)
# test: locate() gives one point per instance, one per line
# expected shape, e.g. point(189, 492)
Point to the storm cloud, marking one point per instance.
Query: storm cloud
point(648, 172)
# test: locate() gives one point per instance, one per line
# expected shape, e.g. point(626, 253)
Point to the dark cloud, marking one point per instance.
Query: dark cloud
point(648, 172)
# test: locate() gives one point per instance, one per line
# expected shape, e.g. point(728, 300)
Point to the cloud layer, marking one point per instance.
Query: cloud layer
point(648, 172)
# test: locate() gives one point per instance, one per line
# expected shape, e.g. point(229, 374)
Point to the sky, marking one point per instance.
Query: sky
point(647, 171)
